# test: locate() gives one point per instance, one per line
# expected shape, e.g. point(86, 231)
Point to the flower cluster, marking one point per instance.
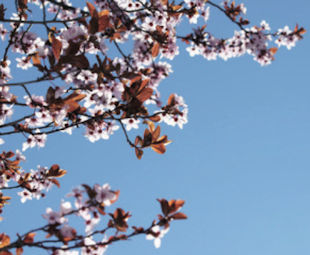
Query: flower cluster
point(37, 182)
point(33, 184)
point(103, 63)
point(254, 41)
point(90, 205)
point(108, 59)
point(156, 234)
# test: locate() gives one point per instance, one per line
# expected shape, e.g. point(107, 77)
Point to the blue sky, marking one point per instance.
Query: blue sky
point(241, 163)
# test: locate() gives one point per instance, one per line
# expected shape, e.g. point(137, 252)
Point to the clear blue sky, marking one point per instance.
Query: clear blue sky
point(241, 163)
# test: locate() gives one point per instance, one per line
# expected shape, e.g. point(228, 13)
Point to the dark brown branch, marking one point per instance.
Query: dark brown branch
point(67, 7)
point(43, 78)
point(37, 22)
point(223, 10)
point(15, 122)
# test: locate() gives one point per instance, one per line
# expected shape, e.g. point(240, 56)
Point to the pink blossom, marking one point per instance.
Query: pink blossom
point(19, 156)
point(3, 32)
point(156, 235)
point(131, 123)
point(104, 195)
point(67, 231)
point(90, 247)
point(77, 193)
point(206, 14)
point(33, 122)
point(25, 195)
point(35, 101)
point(5, 72)
point(34, 140)
point(91, 222)
point(6, 111)
point(264, 25)
point(73, 33)
point(53, 217)
point(65, 252)
point(43, 116)
point(65, 207)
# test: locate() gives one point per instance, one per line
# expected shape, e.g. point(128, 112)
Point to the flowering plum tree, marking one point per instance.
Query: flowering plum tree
point(108, 58)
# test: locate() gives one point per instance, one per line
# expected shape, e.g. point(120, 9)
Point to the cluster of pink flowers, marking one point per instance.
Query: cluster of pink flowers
point(37, 182)
point(90, 205)
point(77, 51)
point(6, 110)
point(33, 183)
point(5, 176)
point(253, 41)
point(5, 72)
point(287, 38)
point(157, 234)
point(104, 63)
point(179, 112)
point(86, 209)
